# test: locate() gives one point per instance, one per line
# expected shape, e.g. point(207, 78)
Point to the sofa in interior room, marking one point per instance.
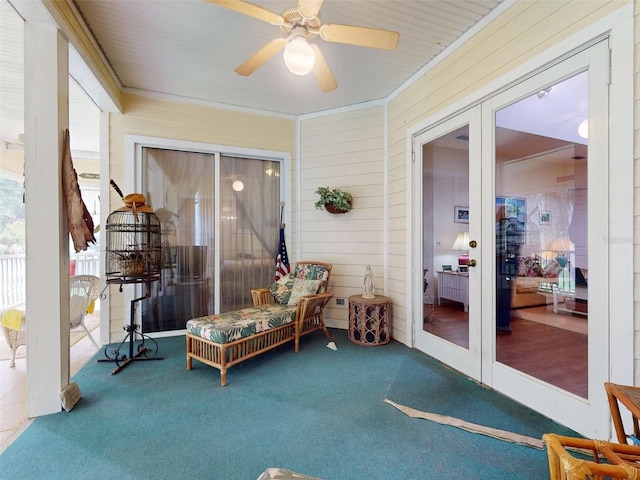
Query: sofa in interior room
point(241, 274)
point(531, 273)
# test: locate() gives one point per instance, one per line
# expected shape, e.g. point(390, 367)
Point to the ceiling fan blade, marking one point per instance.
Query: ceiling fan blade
point(265, 53)
point(309, 8)
point(251, 10)
point(322, 72)
point(361, 36)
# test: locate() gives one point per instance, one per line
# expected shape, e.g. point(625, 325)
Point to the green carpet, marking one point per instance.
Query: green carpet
point(320, 412)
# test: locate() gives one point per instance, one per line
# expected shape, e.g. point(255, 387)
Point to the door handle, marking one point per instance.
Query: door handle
point(471, 262)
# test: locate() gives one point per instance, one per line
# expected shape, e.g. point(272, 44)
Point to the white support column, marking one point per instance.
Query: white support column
point(47, 312)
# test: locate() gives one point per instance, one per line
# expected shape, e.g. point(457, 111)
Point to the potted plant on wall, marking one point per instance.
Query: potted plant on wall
point(334, 200)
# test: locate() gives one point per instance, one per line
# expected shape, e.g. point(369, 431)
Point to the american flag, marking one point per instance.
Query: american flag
point(282, 260)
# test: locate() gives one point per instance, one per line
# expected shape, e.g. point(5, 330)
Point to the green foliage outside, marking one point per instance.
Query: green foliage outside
point(12, 221)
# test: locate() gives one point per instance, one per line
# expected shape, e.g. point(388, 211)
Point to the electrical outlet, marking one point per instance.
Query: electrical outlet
point(340, 301)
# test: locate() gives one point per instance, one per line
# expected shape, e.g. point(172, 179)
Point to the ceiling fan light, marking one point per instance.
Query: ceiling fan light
point(298, 56)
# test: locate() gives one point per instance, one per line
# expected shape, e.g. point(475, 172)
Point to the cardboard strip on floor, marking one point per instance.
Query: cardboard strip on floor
point(470, 427)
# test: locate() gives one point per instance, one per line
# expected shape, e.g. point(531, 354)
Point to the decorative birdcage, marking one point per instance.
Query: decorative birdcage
point(134, 253)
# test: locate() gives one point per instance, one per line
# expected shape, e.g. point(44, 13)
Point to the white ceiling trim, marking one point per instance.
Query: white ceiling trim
point(346, 108)
point(204, 103)
point(81, 62)
point(85, 78)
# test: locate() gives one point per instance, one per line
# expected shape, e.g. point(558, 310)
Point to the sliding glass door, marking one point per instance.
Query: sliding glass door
point(220, 222)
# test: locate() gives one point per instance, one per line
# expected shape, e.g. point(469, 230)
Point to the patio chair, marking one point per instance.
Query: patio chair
point(14, 330)
point(84, 290)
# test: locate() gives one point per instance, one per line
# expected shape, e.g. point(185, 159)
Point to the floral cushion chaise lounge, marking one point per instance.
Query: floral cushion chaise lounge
point(286, 310)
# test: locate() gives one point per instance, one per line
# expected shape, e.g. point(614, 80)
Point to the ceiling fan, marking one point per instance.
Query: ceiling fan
point(302, 24)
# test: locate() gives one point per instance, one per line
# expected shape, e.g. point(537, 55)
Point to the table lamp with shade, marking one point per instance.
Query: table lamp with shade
point(462, 244)
point(559, 246)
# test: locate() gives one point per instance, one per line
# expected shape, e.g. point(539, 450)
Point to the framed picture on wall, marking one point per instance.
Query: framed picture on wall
point(545, 217)
point(461, 214)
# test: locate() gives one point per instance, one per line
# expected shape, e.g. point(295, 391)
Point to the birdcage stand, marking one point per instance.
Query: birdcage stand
point(147, 348)
point(133, 256)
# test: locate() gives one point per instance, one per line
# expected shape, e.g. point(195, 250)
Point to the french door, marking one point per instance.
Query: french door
point(448, 165)
point(511, 197)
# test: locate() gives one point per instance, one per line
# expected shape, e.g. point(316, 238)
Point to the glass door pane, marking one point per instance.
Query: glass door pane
point(249, 228)
point(446, 236)
point(541, 157)
point(180, 189)
point(447, 318)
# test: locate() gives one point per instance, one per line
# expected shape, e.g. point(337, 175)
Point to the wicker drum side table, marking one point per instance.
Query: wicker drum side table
point(369, 320)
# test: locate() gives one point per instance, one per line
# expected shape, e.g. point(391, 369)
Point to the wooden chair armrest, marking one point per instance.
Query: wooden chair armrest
point(262, 296)
point(311, 305)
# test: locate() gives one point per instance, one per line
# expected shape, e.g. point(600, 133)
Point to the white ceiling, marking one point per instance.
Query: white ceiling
point(187, 50)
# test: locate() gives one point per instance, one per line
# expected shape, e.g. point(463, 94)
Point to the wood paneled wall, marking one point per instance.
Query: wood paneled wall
point(344, 150)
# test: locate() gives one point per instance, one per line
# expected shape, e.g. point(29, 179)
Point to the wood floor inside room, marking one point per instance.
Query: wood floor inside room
point(555, 355)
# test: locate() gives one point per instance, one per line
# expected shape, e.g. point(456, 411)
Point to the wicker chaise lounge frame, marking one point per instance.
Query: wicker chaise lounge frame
point(224, 355)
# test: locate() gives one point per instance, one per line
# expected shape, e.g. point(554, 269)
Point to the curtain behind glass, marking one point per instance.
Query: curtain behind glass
point(249, 227)
point(180, 189)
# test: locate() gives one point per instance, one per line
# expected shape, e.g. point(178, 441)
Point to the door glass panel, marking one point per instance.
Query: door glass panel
point(180, 189)
point(445, 236)
point(541, 234)
point(249, 228)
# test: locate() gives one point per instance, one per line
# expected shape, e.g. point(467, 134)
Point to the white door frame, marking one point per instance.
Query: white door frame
point(462, 359)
